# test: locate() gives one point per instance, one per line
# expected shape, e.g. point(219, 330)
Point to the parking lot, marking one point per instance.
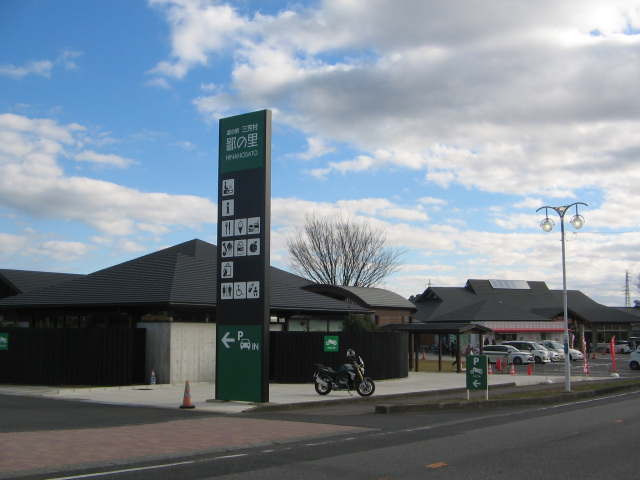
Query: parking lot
point(600, 366)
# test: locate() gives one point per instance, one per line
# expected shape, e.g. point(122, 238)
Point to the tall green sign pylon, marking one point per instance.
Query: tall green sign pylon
point(243, 283)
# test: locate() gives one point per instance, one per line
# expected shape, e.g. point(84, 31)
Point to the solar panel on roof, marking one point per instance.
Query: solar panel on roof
point(510, 284)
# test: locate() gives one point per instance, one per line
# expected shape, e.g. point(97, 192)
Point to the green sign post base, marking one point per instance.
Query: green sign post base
point(239, 346)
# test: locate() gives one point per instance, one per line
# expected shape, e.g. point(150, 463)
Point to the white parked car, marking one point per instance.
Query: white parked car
point(554, 354)
point(623, 347)
point(634, 359)
point(620, 347)
point(552, 345)
point(515, 356)
point(540, 354)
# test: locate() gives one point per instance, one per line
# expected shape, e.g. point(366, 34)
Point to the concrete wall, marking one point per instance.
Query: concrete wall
point(180, 351)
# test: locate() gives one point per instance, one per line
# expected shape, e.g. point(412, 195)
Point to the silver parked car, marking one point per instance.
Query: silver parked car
point(555, 355)
point(513, 355)
point(574, 354)
point(540, 354)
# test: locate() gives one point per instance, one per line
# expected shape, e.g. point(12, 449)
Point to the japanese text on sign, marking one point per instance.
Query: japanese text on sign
point(241, 138)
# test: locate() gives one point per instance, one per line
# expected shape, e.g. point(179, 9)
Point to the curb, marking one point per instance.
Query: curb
point(270, 407)
point(482, 404)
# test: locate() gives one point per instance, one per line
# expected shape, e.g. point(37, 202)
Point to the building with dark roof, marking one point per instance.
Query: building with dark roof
point(523, 310)
point(14, 282)
point(388, 307)
point(174, 284)
point(172, 293)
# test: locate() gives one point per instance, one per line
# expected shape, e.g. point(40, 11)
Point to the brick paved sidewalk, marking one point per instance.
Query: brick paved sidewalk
point(24, 451)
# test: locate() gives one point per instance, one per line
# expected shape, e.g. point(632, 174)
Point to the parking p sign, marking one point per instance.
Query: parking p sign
point(476, 372)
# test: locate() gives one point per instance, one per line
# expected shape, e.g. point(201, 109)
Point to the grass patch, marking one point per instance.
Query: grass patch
point(575, 387)
point(432, 365)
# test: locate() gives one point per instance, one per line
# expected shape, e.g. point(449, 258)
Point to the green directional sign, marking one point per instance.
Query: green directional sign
point(477, 372)
point(240, 346)
point(4, 341)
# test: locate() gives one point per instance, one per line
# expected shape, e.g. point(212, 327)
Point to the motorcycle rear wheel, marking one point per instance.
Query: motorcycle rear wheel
point(321, 390)
point(366, 390)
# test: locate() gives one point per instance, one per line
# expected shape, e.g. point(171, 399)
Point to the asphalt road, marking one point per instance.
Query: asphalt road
point(32, 414)
point(585, 439)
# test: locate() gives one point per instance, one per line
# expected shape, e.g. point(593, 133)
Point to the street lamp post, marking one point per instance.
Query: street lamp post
point(547, 225)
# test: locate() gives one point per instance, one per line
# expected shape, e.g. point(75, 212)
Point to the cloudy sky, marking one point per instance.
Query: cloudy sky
point(447, 123)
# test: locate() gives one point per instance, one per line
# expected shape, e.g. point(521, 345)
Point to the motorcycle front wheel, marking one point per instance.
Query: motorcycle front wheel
point(366, 388)
point(322, 390)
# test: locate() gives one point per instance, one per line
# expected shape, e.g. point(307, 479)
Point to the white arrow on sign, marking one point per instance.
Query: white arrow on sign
point(476, 383)
point(226, 340)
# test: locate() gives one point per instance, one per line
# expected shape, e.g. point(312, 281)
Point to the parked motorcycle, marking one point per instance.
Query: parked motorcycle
point(349, 376)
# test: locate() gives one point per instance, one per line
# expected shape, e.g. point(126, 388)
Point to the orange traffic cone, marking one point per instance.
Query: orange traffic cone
point(513, 370)
point(529, 370)
point(424, 355)
point(604, 351)
point(490, 372)
point(594, 355)
point(498, 366)
point(186, 402)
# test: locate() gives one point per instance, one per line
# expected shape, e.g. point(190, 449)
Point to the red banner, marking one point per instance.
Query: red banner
point(585, 357)
point(612, 349)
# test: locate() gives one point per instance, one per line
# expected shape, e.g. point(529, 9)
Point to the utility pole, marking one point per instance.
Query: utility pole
point(627, 291)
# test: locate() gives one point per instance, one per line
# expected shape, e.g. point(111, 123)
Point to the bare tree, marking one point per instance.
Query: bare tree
point(339, 251)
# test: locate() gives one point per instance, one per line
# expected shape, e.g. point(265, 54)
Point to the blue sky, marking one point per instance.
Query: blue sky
point(447, 126)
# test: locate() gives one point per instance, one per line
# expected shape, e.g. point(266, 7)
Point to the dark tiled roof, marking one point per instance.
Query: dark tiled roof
point(631, 311)
point(488, 310)
point(183, 275)
point(454, 303)
point(26, 281)
point(291, 298)
point(367, 297)
point(439, 328)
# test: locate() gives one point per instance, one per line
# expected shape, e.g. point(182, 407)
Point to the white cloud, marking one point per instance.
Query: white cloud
point(41, 68)
point(63, 251)
point(520, 106)
point(12, 244)
point(199, 28)
point(103, 160)
point(32, 182)
point(382, 207)
point(317, 148)
point(432, 201)
point(185, 145)
point(494, 103)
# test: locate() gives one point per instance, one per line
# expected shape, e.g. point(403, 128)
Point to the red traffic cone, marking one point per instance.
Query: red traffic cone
point(529, 370)
point(498, 366)
point(513, 370)
point(424, 355)
point(594, 355)
point(489, 372)
point(186, 402)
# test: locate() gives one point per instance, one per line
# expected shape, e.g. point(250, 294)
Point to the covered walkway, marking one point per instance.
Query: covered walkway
point(440, 329)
